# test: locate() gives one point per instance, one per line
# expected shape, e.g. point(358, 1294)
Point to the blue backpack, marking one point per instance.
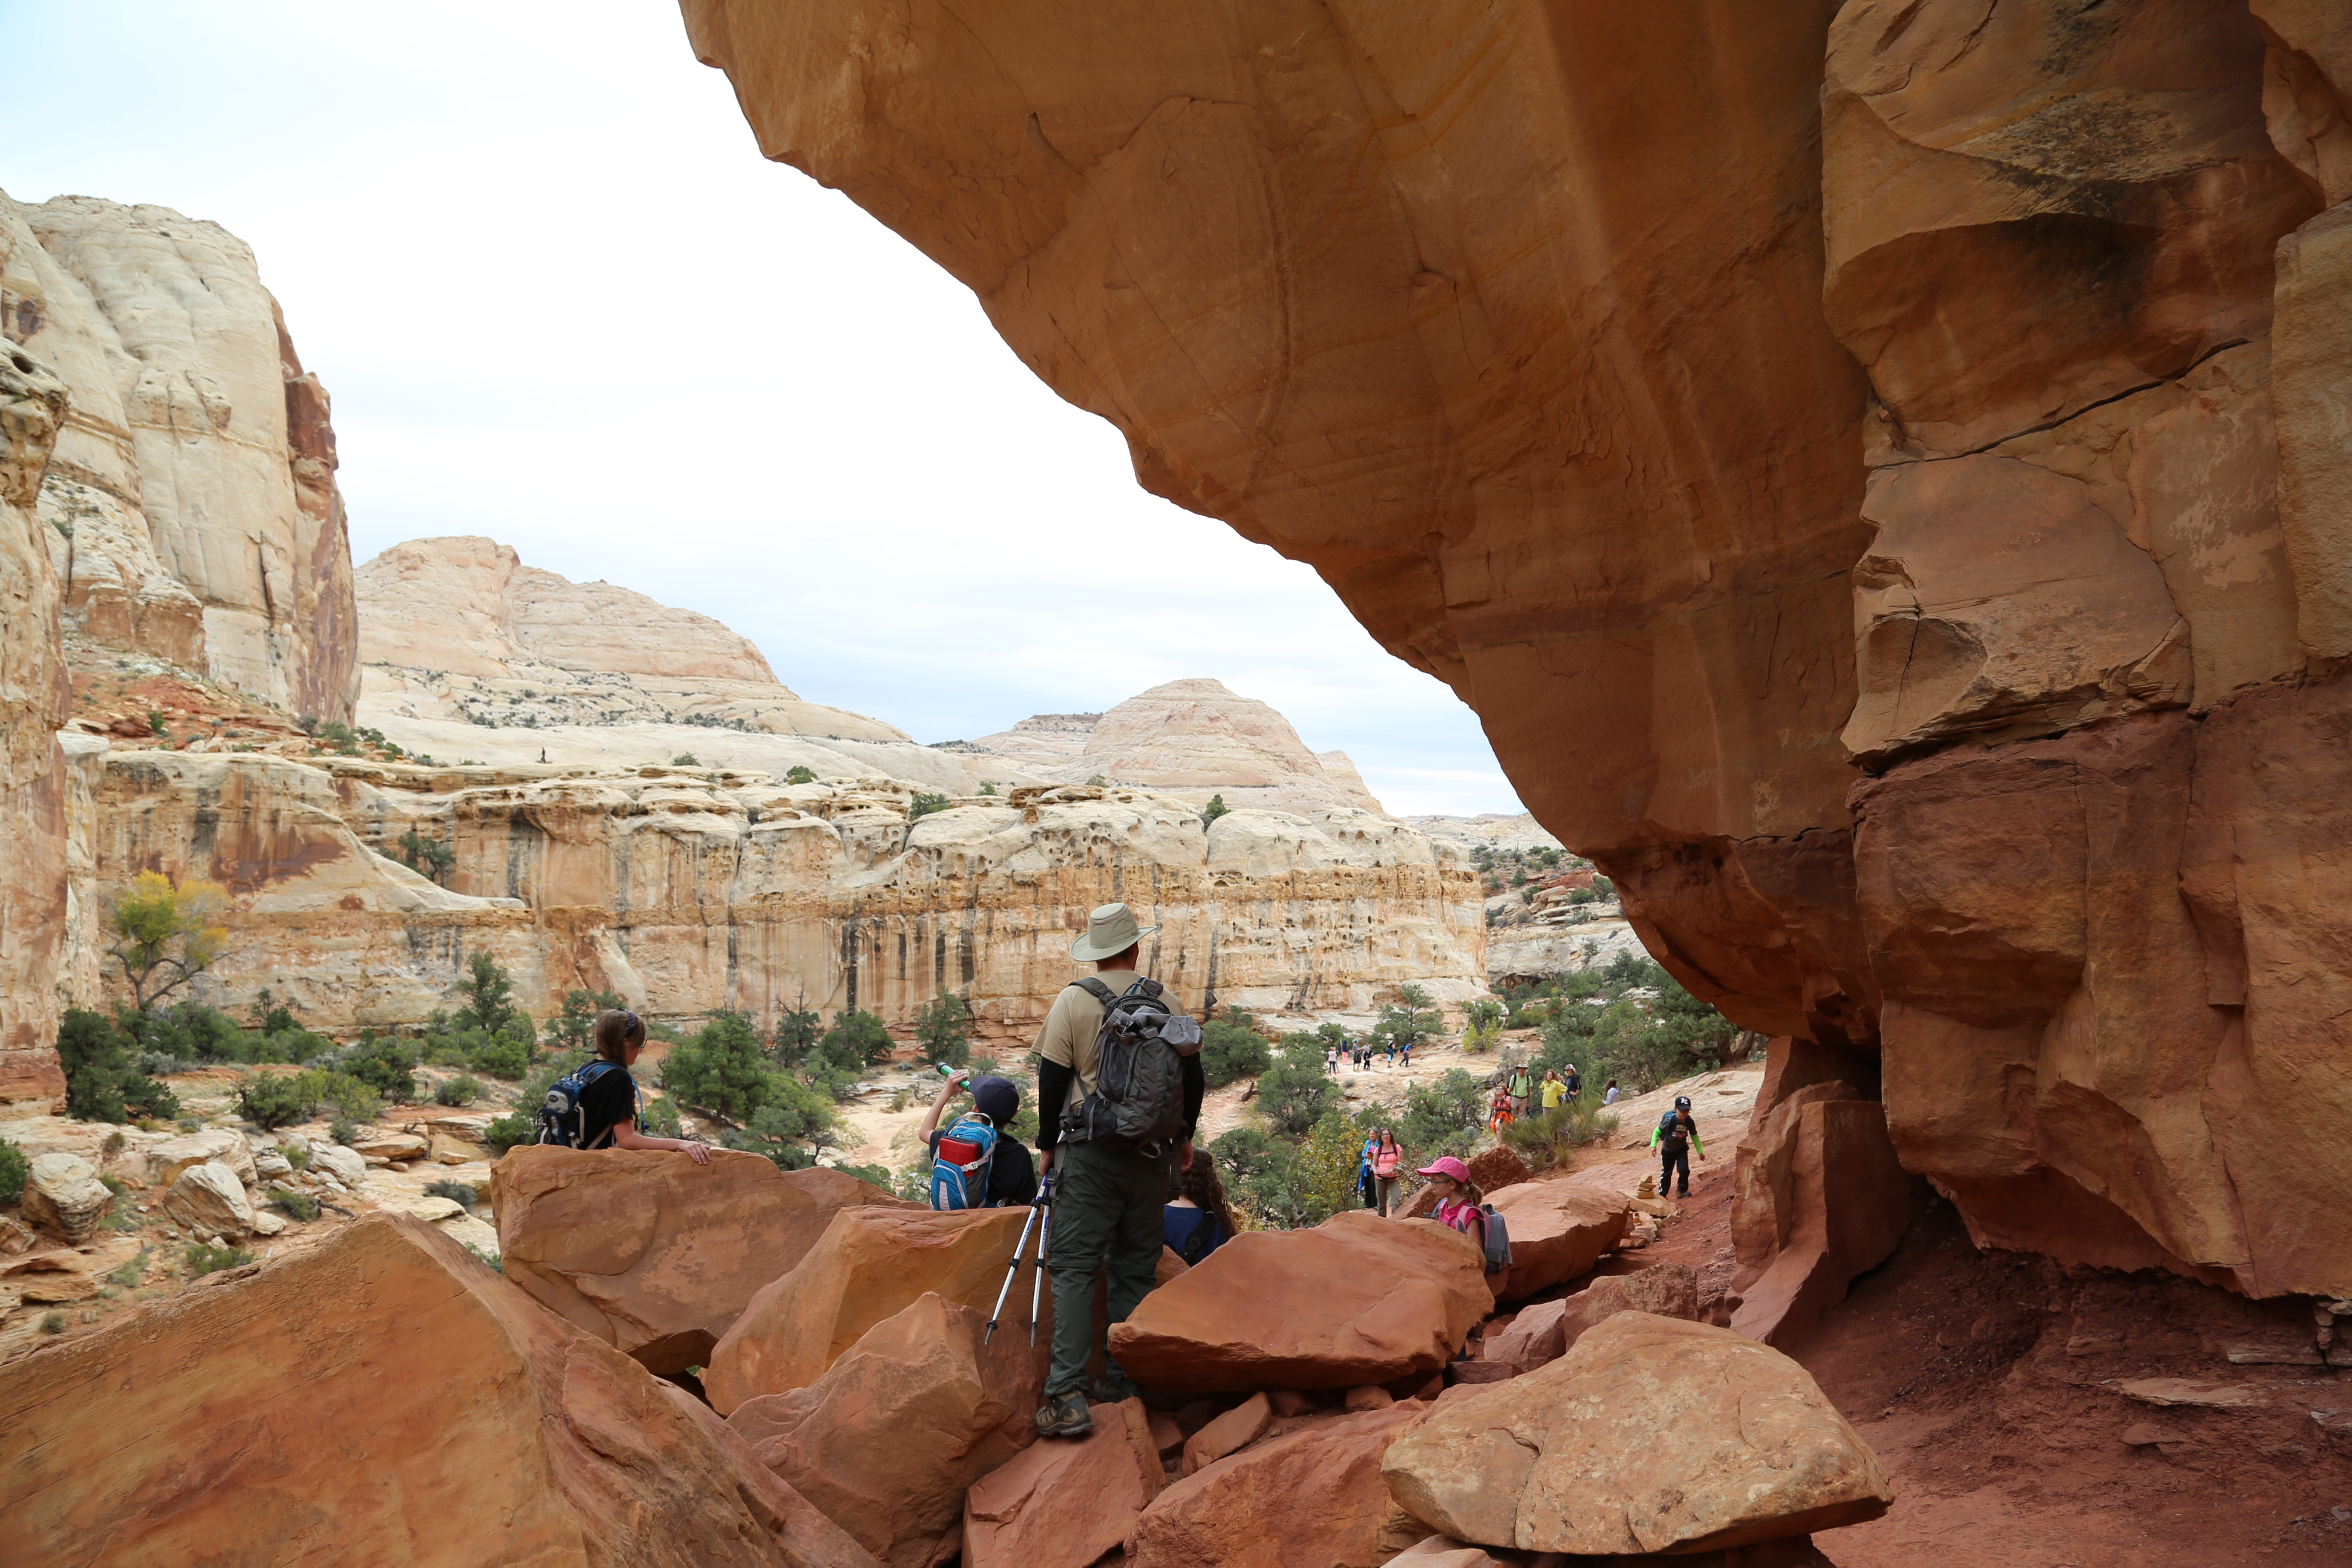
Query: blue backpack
point(959, 1170)
point(1673, 1136)
point(559, 1119)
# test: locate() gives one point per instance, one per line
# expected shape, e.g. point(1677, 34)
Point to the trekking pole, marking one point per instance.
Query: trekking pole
point(1037, 1280)
point(1011, 1269)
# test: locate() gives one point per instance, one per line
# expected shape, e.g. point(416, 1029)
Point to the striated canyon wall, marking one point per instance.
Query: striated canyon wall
point(687, 892)
point(1883, 472)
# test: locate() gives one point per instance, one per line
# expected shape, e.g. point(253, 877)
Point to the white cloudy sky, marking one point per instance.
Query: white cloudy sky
point(559, 298)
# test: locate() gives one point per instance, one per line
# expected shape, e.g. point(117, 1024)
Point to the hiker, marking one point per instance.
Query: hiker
point(1198, 1220)
point(1498, 1110)
point(605, 1098)
point(976, 1163)
point(1387, 1162)
point(1404, 1054)
point(1554, 1092)
point(1108, 1190)
point(1522, 1087)
point(1392, 1044)
point(1676, 1135)
point(1575, 1083)
point(1458, 1197)
point(1610, 1097)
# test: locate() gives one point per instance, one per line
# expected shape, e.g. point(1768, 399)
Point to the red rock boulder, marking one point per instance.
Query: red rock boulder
point(1843, 1209)
point(1542, 1334)
point(1355, 1300)
point(870, 1264)
point(1559, 1230)
point(1065, 1504)
point(379, 1398)
point(651, 1253)
point(1312, 1497)
point(1649, 1436)
point(1497, 1168)
point(888, 1439)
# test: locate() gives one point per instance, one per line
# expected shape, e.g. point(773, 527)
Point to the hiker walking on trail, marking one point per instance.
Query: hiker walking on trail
point(976, 1163)
point(1498, 1110)
point(1675, 1137)
point(1387, 1162)
point(1521, 1085)
point(599, 1107)
point(1118, 1095)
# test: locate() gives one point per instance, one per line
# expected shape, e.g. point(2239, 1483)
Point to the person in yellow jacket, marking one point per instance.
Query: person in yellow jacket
point(1554, 1092)
point(1676, 1135)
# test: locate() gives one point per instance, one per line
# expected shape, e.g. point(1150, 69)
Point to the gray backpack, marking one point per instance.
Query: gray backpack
point(1139, 1053)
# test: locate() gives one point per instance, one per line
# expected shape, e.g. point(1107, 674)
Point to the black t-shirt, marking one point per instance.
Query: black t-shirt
point(1012, 1171)
point(609, 1101)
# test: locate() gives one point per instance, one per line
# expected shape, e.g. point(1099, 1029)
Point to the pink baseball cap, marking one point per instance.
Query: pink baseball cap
point(1447, 1165)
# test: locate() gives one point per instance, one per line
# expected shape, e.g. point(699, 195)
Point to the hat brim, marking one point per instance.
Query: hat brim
point(1437, 1171)
point(1085, 951)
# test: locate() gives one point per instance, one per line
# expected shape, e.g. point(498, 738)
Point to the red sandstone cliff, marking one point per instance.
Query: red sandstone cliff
point(1882, 472)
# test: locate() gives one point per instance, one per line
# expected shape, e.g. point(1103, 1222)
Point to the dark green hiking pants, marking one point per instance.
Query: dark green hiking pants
point(1107, 1218)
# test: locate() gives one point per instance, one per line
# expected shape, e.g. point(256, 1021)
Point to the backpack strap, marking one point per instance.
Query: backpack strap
point(1097, 990)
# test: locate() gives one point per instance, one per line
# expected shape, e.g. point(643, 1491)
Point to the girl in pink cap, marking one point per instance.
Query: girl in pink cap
point(1458, 1197)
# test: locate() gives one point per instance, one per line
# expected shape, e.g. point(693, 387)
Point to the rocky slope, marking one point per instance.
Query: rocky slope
point(1195, 739)
point(1880, 474)
point(689, 890)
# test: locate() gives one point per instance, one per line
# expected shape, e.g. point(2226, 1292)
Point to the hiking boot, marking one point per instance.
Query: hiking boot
point(1112, 1388)
point(1066, 1416)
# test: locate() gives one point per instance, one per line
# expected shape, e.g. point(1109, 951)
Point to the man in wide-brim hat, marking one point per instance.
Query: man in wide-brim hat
point(1108, 1193)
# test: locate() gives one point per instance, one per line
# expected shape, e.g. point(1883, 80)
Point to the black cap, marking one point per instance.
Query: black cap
point(996, 1098)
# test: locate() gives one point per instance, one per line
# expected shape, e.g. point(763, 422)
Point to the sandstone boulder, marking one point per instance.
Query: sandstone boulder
point(867, 1265)
point(64, 1196)
point(1649, 1436)
point(1493, 1169)
point(1355, 1300)
point(1840, 1205)
point(1542, 1334)
point(166, 1159)
point(1235, 1429)
point(344, 1165)
point(1444, 1552)
point(210, 1201)
point(269, 1166)
point(887, 1442)
point(1313, 1497)
point(437, 1401)
point(1559, 1230)
point(1064, 1504)
point(654, 1254)
point(390, 1146)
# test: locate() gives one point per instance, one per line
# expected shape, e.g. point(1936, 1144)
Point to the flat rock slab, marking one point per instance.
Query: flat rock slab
point(1356, 1299)
point(1559, 1230)
point(2170, 1391)
point(653, 1254)
point(1309, 1498)
point(1650, 1435)
point(1444, 1552)
point(379, 1397)
point(1063, 1504)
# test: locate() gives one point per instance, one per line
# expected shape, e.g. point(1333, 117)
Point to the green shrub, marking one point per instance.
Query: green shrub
point(1445, 1117)
point(875, 1176)
point(684, 759)
point(573, 1029)
point(661, 1118)
point(1483, 1026)
point(797, 775)
point(925, 803)
point(1231, 1049)
point(943, 1030)
point(53, 1322)
point(352, 1099)
point(515, 1127)
point(101, 1082)
point(1295, 1093)
point(14, 1165)
point(1214, 809)
point(490, 1260)
point(271, 1101)
point(1546, 1140)
point(457, 1193)
point(458, 1091)
point(383, 1064)
point(297, 1155)
point(294, 1206)
point(798, 1032)
point(342, 1129)
point(791, 1128)
point(112, 1182)
point(488, 992)
point(202, 1258)
point(857, 1039)
point(722, 1071)
point(132, 1270)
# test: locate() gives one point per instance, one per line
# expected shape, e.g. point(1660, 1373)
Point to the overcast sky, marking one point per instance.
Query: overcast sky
point(560, 299)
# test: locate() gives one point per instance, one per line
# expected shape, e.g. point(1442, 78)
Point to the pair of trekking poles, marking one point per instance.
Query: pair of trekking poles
point(1039, 1208)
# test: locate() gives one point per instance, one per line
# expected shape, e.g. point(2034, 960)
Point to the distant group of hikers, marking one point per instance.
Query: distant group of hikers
point(1357, 1053)
point(1119, 1087)
point(1519, 1088)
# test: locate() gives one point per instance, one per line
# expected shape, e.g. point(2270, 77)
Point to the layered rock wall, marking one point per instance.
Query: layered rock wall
point(193, 498)
point(1743, 408)
point(684, 892)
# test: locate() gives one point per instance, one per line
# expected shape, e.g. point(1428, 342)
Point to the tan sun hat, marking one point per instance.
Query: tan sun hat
point(1110, 931)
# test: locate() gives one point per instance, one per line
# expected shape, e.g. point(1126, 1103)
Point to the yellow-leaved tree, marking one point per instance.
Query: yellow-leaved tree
point(164, 936)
